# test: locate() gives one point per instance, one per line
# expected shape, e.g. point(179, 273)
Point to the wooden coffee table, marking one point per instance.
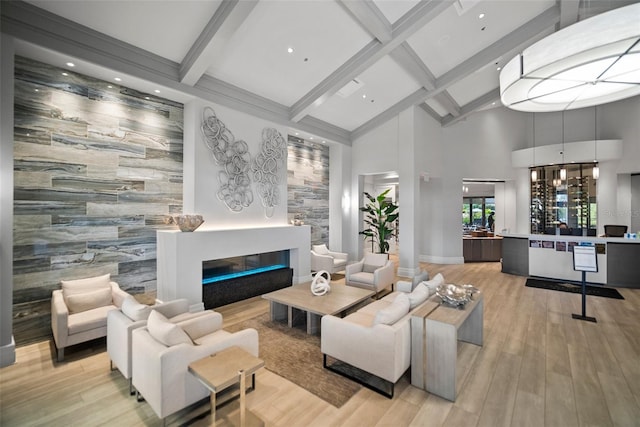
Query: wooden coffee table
point(224, 369)
point(284, 303)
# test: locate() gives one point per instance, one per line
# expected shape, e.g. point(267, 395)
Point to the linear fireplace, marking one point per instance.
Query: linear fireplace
point(181, 256)
point(234, 279)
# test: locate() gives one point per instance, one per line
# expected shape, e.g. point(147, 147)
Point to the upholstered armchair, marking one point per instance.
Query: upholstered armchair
point(324, 259)
point(79, 310)
point(133, 315)
point(162, 352)
point(374, 271)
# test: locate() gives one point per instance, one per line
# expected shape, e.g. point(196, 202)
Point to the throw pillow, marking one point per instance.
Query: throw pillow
point(321, 249)
point(370, 268)
point(134, 310)
point(162, 330)
point(82, 285)
point(80, 302)
point(394, 311)
point(434, 283)
point(418, 296)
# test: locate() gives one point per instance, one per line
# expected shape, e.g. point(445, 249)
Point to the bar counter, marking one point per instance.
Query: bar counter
point(551, 256)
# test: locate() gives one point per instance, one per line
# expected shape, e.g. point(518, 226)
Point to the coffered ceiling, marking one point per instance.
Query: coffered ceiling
point(330, 68)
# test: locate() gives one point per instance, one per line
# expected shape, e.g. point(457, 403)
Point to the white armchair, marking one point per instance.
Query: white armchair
point(162, 352)
point(324, 259)
point(79, 310)
point(133, 315)
point(374, 271)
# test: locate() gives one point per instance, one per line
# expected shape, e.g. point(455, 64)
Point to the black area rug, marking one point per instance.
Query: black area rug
point(576, 289)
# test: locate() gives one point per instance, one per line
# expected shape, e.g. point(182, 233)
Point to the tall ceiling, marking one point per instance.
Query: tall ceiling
point(334, 69)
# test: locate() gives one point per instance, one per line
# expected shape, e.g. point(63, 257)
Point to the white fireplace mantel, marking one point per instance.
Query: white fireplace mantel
point(180, 255)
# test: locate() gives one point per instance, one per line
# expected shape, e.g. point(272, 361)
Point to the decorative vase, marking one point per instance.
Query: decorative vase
point(186, 222)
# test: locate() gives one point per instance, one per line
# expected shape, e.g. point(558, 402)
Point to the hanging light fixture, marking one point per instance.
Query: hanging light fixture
point(563, 169)
point(534, 172)
point(594, 61)
point(596, 170)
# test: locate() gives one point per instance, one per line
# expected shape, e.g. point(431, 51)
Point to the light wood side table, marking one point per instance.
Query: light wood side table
point(434, 345)
point(224, 369)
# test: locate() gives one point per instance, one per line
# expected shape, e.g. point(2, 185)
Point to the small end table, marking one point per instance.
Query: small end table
point(224, 369)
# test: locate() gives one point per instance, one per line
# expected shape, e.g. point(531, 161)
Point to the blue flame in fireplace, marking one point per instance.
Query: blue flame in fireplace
point(208, 280)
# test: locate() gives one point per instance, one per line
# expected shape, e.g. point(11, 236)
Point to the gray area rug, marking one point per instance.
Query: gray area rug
point(295, 355)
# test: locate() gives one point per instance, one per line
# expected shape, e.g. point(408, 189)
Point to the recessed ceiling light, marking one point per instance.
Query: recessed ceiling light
point(146, 97)
point(499, 68)
point(110, 87)
point(310, 137)
point(156, 91)
point(324, 142)
point(364, 96)
point(118, 79)
point(481, 16)
point(37, 90)
point(296, 133)
point(290, 49)
point(70, 64)
point(65, 74)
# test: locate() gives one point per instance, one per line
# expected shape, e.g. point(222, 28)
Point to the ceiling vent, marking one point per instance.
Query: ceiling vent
point(350, 88)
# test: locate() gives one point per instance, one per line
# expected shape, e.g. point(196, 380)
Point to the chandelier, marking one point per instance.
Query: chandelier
point(591, 62)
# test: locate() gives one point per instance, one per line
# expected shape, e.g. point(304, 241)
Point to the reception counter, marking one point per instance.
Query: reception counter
point(551, 256)
point(481, 249)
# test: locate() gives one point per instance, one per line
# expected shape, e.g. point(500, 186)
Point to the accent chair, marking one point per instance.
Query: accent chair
point(374, 271)
point(324, 259)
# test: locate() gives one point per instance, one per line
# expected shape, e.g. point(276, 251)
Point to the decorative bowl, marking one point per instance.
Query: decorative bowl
point(457, 296)
point(186, 222)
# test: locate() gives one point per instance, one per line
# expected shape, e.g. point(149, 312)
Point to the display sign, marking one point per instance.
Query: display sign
point(585, 259)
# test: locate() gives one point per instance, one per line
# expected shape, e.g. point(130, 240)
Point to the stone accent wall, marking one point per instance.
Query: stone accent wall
point(308, 186)
point(97, 169)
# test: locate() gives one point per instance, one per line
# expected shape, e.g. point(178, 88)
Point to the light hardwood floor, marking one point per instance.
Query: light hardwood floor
point(538, 367)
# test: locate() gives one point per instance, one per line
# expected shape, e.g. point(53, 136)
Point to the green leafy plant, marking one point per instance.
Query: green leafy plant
point(381, 214)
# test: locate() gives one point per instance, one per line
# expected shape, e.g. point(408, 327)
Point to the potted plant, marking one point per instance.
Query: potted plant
point(380, 216)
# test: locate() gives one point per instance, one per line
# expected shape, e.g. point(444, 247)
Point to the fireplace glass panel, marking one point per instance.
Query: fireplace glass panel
point(240, 266)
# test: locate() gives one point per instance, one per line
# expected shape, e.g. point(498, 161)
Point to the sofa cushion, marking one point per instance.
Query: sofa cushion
point(89, 320)
point(320, 249)
point(135, 310)
point(418, 295)
point(362, 277)
point(394, 312)
point(368, 268)
point(361, 318)
point(79, 302)
point(166, 332)
point(184, 316)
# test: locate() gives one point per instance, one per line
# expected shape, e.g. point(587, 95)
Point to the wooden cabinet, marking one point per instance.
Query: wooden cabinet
point(482, 249)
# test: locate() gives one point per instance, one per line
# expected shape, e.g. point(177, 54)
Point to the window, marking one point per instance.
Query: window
point(476, 210)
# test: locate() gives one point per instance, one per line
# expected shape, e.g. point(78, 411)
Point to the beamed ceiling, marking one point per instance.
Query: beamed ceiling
point(354, 64)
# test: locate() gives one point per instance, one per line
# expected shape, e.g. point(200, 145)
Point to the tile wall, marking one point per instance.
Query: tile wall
point(97, 169)
point(308, 186)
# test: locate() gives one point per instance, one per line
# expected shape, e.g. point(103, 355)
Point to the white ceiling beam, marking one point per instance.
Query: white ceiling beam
point(430, 111)
point(211, 41)
point(517, 39)
point(473, 106)
point(406, 26)
point(370, 18)
point(409, 60)
point(448, 103)
point(569, 10)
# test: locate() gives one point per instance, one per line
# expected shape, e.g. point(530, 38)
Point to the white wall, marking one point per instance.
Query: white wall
point(339, 196)
point(202, 185)
point(480, 147)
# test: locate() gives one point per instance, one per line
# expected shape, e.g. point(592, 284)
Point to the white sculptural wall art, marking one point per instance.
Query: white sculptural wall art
point(235, 183)
point(266, 167)
point(238, 166)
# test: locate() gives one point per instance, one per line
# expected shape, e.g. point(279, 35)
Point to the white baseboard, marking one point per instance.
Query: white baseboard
point(8, 354)
point(441, 260)
point(408, 272)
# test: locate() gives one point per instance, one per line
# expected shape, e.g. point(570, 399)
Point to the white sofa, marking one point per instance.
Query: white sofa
point(377, 337)
point(374, 272)
point(322, 259)
point(133, 315)
point(79, 310)
point(162, 352)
